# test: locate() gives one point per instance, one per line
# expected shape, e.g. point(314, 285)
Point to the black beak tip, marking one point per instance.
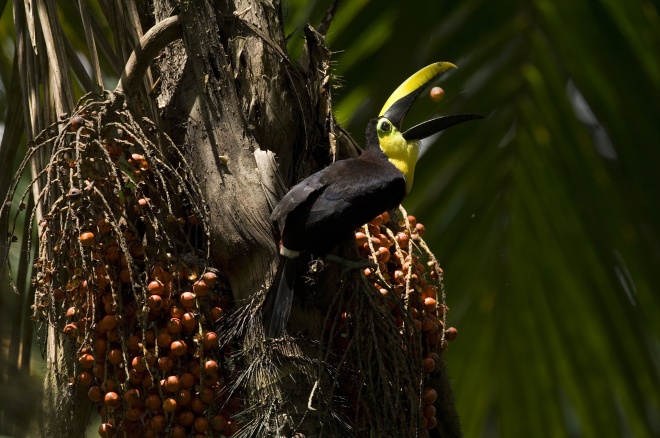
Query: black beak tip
point(433, 126)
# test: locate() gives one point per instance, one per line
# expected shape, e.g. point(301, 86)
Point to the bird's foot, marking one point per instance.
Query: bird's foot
point(351, 264)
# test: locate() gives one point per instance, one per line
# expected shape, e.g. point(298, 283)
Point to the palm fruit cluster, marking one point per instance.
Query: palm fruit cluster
point(122, 276)
point(167, 379)
point(405, 267)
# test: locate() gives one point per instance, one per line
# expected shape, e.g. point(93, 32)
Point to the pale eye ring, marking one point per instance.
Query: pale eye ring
point(385, 126)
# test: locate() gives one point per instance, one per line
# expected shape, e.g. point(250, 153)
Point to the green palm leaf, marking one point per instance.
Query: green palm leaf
point(545, 215)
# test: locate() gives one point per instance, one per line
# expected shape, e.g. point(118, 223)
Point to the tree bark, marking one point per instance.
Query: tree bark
point(248, 119)
point(252, 124)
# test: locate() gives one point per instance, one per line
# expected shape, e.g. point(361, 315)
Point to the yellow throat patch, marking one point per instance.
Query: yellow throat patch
point(401, 153)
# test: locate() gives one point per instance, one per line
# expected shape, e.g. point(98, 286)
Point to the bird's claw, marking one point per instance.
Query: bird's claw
point(351, 264)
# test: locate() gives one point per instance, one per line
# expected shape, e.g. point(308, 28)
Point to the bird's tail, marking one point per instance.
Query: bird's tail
point(277, 309)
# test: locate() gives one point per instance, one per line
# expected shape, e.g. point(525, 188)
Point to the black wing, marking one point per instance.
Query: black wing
point(331, 203)
point(298, 194)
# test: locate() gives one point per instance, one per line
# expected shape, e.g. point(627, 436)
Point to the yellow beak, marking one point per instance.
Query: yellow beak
point(404, 96)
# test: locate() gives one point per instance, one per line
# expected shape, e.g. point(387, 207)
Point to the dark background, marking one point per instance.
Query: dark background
point(545, 216)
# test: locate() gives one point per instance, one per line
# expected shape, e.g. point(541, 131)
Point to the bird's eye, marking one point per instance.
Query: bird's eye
point(385, 126)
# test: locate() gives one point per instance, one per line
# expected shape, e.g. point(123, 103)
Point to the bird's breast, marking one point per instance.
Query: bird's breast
point(403, 155)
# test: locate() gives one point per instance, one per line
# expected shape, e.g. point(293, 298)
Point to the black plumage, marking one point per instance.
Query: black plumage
point(327, 207)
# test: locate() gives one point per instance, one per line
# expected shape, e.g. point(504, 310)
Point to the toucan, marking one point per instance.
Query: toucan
point(324, 208)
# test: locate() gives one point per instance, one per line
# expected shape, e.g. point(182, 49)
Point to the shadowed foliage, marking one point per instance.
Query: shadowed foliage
point(544, 216)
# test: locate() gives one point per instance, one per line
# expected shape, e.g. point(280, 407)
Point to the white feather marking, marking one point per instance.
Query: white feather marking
point(289, 253)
